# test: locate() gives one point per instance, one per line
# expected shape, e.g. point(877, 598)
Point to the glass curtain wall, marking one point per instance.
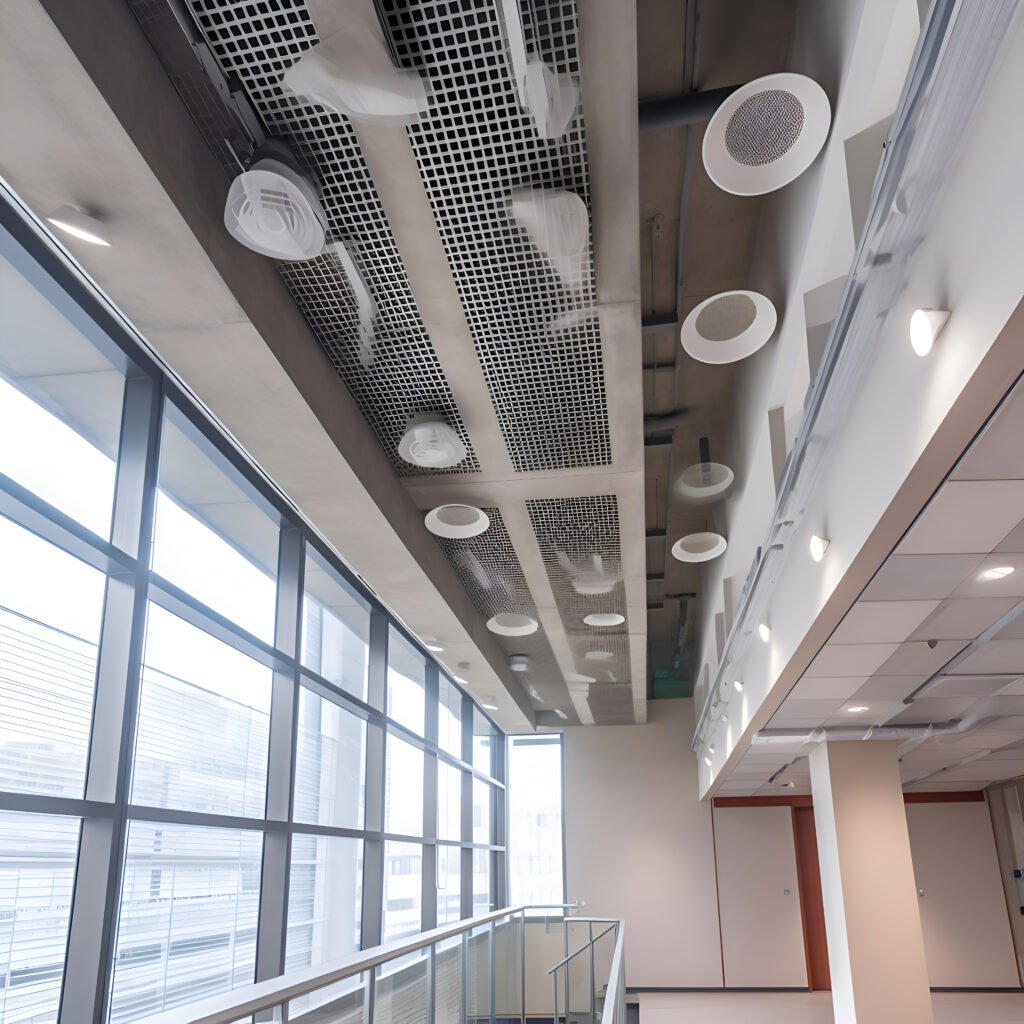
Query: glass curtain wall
point(219, 757)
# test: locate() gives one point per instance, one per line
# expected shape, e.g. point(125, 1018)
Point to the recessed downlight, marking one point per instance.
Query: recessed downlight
point(704, 482)
point(699, 547)
point(997, 572)
point(858, 709)
point(512, 624)
point(80, 225)
point(604, 619)
point(764, 632)
point(728, 327)
point(925, 327)
point(457, 522)
point(561, 714)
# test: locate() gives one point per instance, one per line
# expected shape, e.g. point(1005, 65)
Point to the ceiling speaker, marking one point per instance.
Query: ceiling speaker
point(766, 134)
point(704, 481)
point(457, 522)
point(699, 547)
point(512, 624)
point(728, 327)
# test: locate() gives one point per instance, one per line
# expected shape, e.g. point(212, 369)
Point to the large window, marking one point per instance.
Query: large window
point(220, 756)
point(535, 819)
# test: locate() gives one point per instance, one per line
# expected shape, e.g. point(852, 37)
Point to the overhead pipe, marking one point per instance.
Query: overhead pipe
point(690, 108)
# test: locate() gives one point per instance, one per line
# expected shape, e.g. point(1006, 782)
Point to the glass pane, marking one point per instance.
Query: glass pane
point(449, 884)
point(330, 764)
point(211, 538)
point(204, 722)
point(403, 889)
point(51, 607)
point(344, 1002)
point(508, 968)
point(402, 991)
point(324, 899)
point(449, 802)
point(60, 399)
point(403, 795)
point(478, 974)
point(406, 670)
point(335, 629)
point(448, 980)
point(483, 744)
point(481, 812)
point(37, 873)
point(449, 717)
point(481, 882)
point(189, 908)
point(535, 819)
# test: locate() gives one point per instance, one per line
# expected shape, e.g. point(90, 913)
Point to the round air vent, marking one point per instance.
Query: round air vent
point(512, 624)
point(728, 327)
point(766, 134)
point(431, 442)
point(698, 547)
point(457, 522)
point(604, 619)
point(704, 482)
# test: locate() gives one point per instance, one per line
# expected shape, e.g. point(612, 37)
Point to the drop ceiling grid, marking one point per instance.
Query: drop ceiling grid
point(258, 42)
point(474, 147)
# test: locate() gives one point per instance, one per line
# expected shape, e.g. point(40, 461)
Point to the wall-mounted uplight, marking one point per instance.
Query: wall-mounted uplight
point(819, 545)
point(738, 684)
point(489, 707)
point(561, 714)
point(80, 225)
point(859, 709)
point(764, 632)
point(707, 760)
point(925, 327)
point(997, 572)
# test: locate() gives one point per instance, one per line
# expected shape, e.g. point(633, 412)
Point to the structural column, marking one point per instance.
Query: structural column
point(875, 943)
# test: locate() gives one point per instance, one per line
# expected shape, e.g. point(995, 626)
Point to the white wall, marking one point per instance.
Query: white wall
point(963, 911)
point(762, 931)
point(638, 845)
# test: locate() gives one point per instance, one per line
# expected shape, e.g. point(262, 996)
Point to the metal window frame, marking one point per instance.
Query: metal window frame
point(151, 394)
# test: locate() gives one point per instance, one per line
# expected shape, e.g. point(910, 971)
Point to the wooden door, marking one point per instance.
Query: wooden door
point(812, 909)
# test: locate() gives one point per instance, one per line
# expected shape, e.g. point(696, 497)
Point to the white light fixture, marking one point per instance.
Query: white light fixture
point(698, 547)
point(489, 707)
point(858, 709)
point(604, 619)
point(728, 327)
point(704, 482)
point(512, 624)
point(599, 656)
point(561, 714)
point(819, 545)
point(80, 225)
point(739, 685)
point(707, 760)
point(725, 718)
point(997, 572)
point(711, 750)
point(925, 327)
point(431, 644)
point(518, 662)
point(431, 442)
point(457, 522)
point(764, 632)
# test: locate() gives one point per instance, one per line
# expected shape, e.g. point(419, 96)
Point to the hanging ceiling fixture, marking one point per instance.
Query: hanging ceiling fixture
point(925, 327)
point(557, 222)
point(512, 624)
point(766, 134)
point(431, 442)
point(80, 225)
point(274, 209)
point(457, 522)
point(699, 547)
point(604, 619)
point(704, 482)
point(728, 327)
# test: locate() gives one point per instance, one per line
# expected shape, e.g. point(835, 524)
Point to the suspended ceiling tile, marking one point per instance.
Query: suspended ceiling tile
point(997, 454)
point(826, 687)
point(1013, 541)
point(881, 621)
point(962, 619)
point(969, 686)
point(920, 658)
point(1005, 586)
point(886, 687)
point(919, 577)
point(998, 655)
point(877, 711)
point(933, 709)
point(850, 659)
point(966, 516)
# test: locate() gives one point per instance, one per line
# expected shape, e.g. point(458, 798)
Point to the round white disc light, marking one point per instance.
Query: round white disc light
point(457, 522)
point(997, 572)
point(728, 327)
point(766, 134)
point(704, 481)
point(925, 326)
point(698, 547)
point(604, 619)
point(512, 624)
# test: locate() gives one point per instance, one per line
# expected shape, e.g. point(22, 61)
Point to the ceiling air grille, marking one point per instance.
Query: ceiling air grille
point(538, 343)
point(258, 42)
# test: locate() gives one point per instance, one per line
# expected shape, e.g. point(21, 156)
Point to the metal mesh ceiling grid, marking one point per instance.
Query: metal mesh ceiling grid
point(473, 148)
point(258, 42)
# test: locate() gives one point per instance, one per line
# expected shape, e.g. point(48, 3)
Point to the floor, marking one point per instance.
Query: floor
point(812, 1008)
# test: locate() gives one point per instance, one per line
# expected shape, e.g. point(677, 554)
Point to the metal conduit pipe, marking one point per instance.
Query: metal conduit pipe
point(690, 108)
point(916, 733)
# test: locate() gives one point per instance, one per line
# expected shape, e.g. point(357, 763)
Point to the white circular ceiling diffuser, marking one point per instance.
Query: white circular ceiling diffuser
point(728, 327)
point(604, 619)
point(599, 656)
point(766, 134)
point(457, 522)
point(512, 624)
point(430, 442)
point(704, 482)
point(698, 547)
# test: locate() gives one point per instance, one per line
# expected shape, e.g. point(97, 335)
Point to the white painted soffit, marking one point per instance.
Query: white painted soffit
point(112, 136)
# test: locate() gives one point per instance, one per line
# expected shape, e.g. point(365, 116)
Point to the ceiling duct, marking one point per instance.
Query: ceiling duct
point(558, 224)
point(690, 108)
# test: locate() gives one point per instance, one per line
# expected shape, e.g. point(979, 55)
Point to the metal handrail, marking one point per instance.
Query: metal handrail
point(234, 1004)
point(586, 945)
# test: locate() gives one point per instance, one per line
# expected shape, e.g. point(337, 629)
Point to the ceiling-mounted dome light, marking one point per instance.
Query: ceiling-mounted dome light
point(457, 522)
point(704, 482)
point(351, 72)
point(699, 547)
point(365, 304)
point(604, 619)
point(925, 327)
point(728, 327)
point(519, 662)
point(766, 134)
point(274, 209)
point(432, 443)
point(80, 225)
point(512, 624)
point(818, 545)
point(558, 224)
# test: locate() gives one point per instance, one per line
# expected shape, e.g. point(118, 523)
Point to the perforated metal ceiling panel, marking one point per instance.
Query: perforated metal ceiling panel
point(540, 354)
point(258, 42)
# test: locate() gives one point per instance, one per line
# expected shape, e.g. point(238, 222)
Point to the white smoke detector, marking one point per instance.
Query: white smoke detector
point(699, 547)
point(432, 443)
point(519, 662)
point(766, 134)
point(704, 481)
point(274, 209)
point(512, 624)
point(457, 522)
point(728, 327)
